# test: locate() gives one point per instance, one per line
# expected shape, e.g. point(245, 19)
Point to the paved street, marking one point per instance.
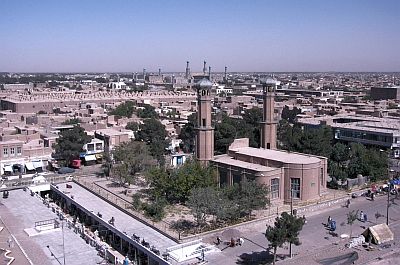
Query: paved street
point(314, 237)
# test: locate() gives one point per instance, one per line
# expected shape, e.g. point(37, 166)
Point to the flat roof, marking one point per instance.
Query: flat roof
point(20, 211)
point(123, 221)
point(227, 160)
point(277, 155)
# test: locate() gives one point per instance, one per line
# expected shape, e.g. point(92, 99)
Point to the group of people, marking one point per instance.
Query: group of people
point(363, 217)
point(232, 242)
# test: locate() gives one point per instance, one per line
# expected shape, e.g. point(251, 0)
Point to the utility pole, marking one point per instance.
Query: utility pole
point(291, 213)
point(387, 207)
point(62, 228)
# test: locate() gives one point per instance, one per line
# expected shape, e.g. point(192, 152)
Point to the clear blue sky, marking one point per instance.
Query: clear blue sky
point(118, 35)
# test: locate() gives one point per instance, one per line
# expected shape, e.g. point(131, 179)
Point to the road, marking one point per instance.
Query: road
point(317, 243)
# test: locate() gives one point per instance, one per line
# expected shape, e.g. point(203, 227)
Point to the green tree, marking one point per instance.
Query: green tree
point(147, 112)
point(290, 115)
point(72, 121)
point(69, 143)
point(176, 184)
point(252, 196)
point(285, 230)
point(133, 126)
point(130, 158)
point(252, 119)
point(225, 133)
point(201, 202)
point(351, 218)
point(153, 133)
point(188, 134)
point(125, 109)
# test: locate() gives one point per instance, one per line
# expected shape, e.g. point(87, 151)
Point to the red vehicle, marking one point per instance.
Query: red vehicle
point(76, 163)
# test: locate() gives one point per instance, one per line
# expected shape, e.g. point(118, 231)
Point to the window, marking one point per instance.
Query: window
point(204, 122)
point(295, 186)
point(99, 146)
point(268, 145)
point(90, 147)
point(12, 151)
point(5, 152)
point(274, 188)
point(19, 150)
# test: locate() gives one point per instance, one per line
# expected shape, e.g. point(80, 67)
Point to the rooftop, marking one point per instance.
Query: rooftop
point(226, 159)
point(277, 155)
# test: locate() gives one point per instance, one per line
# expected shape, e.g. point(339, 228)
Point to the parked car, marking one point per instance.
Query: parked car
point(66, 170)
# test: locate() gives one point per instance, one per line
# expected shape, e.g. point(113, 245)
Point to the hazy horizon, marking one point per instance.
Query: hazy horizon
point(246, 36)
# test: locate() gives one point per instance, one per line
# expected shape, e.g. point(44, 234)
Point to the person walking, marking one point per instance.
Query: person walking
point(362, 216)
point(329, 220)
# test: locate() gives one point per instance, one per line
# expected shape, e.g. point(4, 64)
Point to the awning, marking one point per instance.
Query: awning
point(29, 166)
point(90, 158)
point(8, 168)
point(37, 164)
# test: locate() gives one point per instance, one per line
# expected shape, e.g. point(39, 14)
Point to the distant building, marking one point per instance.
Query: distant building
point(379, 93)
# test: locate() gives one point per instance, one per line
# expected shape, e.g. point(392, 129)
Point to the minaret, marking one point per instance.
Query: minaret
point(144, 73)
point(187, 73)
point(269, 124)
point(209, 73)
point(204, 67)
point(205, 132)
point(225, 75)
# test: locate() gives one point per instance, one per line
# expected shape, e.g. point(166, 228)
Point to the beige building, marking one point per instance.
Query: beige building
point(288, 175)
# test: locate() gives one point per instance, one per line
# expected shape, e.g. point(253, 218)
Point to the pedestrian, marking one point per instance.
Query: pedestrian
point(348, 203)
point(218, 240)
point(10, 242)
point(362, 216)
point(126, 261)
point(365, 217)
point(329, 220)
point(241, 241)
point(372, 196)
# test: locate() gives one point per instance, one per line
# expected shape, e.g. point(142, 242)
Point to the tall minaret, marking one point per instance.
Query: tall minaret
point(204, 67)
point(209, 73)
point(205, 132)
point(159, 71)
point(269, 124)
point(187, 73)
point(225, 74)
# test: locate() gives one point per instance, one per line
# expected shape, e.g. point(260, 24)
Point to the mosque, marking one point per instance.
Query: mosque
point(287, 174)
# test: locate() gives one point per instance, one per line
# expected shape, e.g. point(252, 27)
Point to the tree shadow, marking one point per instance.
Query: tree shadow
point(257, 258)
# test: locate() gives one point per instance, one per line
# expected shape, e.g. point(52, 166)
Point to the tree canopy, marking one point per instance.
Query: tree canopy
point(153, 133)
point(176, 184)
point(286, 229)
point(69, 143)
point(125, 109)
point(147, 112)
point(72, 121)
point(130, 158)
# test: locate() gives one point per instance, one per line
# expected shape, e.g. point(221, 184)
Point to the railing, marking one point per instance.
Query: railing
point(45, 222)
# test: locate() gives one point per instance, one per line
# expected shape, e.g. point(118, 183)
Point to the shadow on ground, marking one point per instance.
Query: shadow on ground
point(345, 259)
point(256, 258)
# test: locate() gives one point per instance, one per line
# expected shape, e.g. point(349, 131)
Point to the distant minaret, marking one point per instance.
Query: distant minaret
point(204, 67)
point(269, 124)
point(205, 132)
point(225, 74)
point(159, 71)
point(144, 73)
point(209, 73)
point(187, 73)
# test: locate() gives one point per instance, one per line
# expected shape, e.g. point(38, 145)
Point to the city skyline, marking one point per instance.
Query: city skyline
point(256, 36)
